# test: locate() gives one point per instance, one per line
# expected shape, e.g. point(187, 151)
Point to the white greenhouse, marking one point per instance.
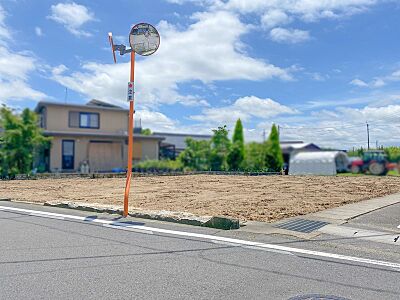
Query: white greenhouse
point(318, 163)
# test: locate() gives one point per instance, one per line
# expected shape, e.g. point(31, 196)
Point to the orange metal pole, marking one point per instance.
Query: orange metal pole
point(130, 140)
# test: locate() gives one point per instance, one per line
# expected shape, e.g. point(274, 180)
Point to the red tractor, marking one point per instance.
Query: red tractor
point(373, 161)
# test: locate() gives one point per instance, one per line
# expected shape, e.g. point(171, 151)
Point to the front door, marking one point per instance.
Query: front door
point(68, 153)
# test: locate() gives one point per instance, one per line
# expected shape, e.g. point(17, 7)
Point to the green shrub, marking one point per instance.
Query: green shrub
point(254, 158)
point(393, 153)
point(19, 142)
point(159, 165)
point(220, 147)
point(196, 156)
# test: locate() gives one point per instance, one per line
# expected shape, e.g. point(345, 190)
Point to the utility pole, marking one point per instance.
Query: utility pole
point(368, 134)
point(264, 135)
point(279, 131)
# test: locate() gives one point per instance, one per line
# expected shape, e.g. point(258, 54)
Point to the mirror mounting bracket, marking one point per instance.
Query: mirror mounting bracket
point(122, 49)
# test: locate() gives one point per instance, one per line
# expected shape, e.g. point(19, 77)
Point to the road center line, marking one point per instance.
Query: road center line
point(121, 225)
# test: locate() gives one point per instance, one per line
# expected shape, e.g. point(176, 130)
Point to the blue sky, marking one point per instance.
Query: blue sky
point(320, 69)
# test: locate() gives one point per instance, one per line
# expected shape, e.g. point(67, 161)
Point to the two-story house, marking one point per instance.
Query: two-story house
point(95, 133)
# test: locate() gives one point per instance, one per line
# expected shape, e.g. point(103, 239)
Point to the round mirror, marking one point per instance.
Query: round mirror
point(144, 39)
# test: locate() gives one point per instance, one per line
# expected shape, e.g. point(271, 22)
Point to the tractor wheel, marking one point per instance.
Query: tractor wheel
point(376, 168)
point(355, 169)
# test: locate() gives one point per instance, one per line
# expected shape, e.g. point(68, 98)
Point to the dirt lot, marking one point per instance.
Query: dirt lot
point(262, 198)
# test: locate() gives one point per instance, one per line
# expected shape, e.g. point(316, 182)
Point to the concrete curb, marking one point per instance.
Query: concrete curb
point(217, 222)
point(344, 213)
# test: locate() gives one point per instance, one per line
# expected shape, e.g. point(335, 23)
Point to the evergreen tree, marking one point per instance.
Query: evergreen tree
point(236, 154)
point(273, 154)
point(220, 146)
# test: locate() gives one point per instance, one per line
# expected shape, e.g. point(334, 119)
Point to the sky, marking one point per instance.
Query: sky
point(320, 69)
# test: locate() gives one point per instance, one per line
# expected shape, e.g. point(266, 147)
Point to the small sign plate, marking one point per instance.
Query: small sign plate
point(131, 91)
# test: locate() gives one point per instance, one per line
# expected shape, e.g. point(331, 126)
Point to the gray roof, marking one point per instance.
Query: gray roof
point(298, 145)
point(288, 148)
point(91, 104)
point(178, 139)
point(291, 142)
point(95, 102)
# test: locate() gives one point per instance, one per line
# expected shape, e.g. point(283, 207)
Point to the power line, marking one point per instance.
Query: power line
point(66, 95)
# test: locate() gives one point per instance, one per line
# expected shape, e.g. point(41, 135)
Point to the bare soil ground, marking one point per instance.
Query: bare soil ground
point(261, 198)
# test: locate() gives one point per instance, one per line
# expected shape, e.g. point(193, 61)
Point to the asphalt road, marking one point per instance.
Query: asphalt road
point(387, 218)
point(53, 258)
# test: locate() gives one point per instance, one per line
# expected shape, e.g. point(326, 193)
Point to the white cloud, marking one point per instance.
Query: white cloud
point(261, 108)
point(273, 18)
point(372, 100)
point(15, 68)
point(59, 70)
point(193, 100)
point(38, 31)
point(318, 77)
point(307, 10)
point(396, 75)
point(372, 114)
point(197, 2)
point(157, 120)
point(378, 82)
point(244, 108)
point(4, 31)
point(344, 127)
point(292, 36)
point(358, 82)
point(73, 16)
point(18, 90)
point(277, 13)
point(205, 51)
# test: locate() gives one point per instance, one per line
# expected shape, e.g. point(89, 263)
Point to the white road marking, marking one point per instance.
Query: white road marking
point(46, 216)
point(118, 225)
point(128, 228)
point(269, 250)
point(226, 243)
point(363, 234)
point(252, 247)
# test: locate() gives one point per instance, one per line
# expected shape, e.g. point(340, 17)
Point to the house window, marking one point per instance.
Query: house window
point(42, 118)
point(84, 120)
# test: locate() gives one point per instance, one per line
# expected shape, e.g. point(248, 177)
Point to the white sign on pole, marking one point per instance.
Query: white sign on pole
point(131, 91)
